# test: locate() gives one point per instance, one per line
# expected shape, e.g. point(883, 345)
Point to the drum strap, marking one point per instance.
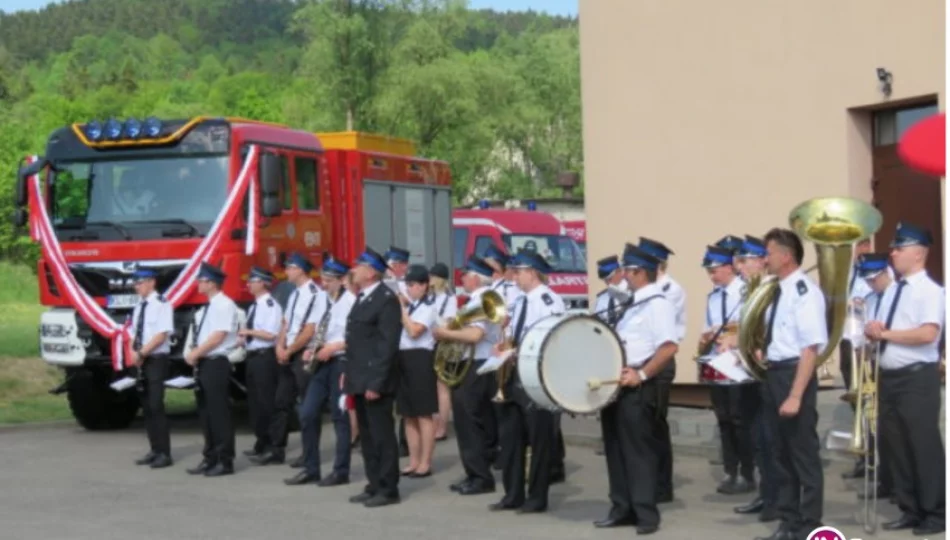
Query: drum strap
point(635, 304)
point(519, 325)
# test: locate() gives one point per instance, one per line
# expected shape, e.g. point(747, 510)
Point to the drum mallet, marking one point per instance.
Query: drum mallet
point(594, 384)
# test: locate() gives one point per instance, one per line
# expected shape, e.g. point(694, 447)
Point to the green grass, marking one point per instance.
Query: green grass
point(24, 378)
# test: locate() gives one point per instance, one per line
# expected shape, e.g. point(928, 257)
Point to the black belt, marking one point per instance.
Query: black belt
point(262, 350)
point(912, 368)
point(782, 364)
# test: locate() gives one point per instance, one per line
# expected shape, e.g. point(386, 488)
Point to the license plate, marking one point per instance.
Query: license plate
point(122, 301)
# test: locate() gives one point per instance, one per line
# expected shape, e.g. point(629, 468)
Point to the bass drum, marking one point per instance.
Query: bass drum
point(560, 354)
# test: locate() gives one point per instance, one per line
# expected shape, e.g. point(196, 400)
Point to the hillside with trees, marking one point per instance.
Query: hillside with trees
point(497, 95)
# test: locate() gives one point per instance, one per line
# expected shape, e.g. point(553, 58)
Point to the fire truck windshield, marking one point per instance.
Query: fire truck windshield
point(560, 251)
point(189, 190)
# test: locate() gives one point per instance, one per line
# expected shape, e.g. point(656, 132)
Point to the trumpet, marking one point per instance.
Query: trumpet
point(451, 357)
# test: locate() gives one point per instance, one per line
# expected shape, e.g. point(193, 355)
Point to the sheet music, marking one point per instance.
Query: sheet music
point(123, 384)
point(180, 382)
point(728, 364)
point(495, 362)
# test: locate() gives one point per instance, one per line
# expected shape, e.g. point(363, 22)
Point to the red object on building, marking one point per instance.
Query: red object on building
point(923, 146)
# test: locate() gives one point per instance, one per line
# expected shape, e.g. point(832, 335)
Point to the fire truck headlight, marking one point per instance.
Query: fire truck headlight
point(113, 129)
point(153, 127)
point(132, 128)
point(93, 130)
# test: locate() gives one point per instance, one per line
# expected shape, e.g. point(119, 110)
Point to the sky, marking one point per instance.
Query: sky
point(554, 7)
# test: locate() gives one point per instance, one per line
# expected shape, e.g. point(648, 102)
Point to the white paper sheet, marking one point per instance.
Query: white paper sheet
point(728, 364)
point(180, 382)
point(495, 362)
point(123, 384)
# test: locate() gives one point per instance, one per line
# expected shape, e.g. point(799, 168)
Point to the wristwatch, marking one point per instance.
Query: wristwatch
point(643, 375)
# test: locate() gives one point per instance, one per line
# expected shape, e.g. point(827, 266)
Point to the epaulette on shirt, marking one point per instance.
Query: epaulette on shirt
point(548, 299)
point(161, 298)
point(270, 302)
point(802, 287)
point(313, 287)
point(666, 287)
point(429, 300)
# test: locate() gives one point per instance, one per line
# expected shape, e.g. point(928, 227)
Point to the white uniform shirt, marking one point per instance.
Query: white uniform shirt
point(799, 318)
point(159, 317)
point(677, 296)
point(648, 324)
point(858, 287)
point(541, 302)
point(222, 316)
point(265, 315)
point(303, 307)
point(733, 304)
point(423, 312)
point(445, 306)
point(508, 291)
point(493, 333)
point(921, 302)
point(339, 312)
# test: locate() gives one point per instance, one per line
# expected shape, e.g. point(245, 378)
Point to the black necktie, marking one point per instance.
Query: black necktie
point(293, 306)
point(611, 311)
point(139, 327)
point(519, 326)
point(413, 306)
point(250, 321)
point(768, 331)
point(723, 310)
point(877, 306)
point(893, 310)
point(359, 297)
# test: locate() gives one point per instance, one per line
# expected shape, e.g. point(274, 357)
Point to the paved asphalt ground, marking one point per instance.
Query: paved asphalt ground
point(61, 482)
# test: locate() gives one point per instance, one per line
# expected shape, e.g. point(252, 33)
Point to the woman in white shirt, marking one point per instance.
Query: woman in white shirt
point(417, 398)
point(445, 304)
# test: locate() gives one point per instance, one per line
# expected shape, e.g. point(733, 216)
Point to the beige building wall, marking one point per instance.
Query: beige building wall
point(709, 118)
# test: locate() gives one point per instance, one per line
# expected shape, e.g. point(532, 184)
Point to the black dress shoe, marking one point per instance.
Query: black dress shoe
point(146, 459)
point(929, 527)
point(161, 461)
point(647, 529)
point(334, 480)
point(476, 488)
point(252, 452)
point(268, 458)
point(753, 507)
point(558, 477)
point(301, 478)
point(381, 500)
point(610, 522)
point(664, 498)
point(531, 509)
point(901, 523)
point(361, 498)
point(457, 486)
point(769, 513)
point(502, 505)
point(201, 467)
point(220, 469)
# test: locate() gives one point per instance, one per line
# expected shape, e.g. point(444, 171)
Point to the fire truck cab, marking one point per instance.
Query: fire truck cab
point(515, 230)
point(122, 195)
point(577, 229)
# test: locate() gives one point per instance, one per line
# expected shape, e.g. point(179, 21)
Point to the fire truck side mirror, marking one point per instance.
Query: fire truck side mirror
point(269, 173)
point(20, 217)
point(22, 177)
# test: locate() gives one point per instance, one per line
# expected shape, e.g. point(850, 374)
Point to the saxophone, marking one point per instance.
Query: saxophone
point(319, 338)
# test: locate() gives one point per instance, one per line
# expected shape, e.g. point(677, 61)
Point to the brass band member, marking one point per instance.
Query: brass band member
point(397, 261)
point(750, 261)
point(152, 324)
point(417, 399)
point(499, 262)
point(795, 335)
point(858, 290)
point(730, 401)
point(371, 377)
point(523, 424)
point(631, 439)
point(323, 389)
point(606, 303)
point(263, 325)
point(677, 295)
point(305, 308)
point(907, 327)
point(446, 306)
point(215, 335)
point(471, 400)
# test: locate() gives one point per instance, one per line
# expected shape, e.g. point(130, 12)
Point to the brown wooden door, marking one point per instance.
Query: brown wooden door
point(902, 194)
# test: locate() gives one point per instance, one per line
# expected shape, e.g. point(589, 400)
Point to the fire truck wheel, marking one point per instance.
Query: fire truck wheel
point(95, 405)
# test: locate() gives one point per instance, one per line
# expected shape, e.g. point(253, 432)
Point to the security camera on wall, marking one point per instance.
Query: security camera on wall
point(884, 78)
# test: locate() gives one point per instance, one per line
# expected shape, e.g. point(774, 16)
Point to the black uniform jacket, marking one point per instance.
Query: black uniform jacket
point(373, 330)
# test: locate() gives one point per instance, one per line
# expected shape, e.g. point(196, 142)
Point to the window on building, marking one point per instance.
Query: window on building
point(308, 195)
point(890, 125)
point(459, 243)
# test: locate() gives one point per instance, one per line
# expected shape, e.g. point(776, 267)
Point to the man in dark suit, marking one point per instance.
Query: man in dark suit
point(373, 330)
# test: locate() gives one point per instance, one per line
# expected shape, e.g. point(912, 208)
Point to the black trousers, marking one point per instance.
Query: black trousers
point(261, 366)
point(632, 448)
point(523, 424)
point(292, 381)
point(911, 440)
point(557, 460)
point(474, 419)
point(800, 476)
point(764, 437)
point(845, 352)
point(214, 408)
point(378, 444)
point(735, 406)
point(152, 396)
point(664, 383)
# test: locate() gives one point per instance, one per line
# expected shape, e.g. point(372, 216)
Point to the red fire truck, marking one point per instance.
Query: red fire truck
point(475, 229)
point(122, 195)
point(577, 229)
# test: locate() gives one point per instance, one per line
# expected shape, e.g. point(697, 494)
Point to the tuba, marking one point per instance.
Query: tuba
point(834, 225)
point(450, 356)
